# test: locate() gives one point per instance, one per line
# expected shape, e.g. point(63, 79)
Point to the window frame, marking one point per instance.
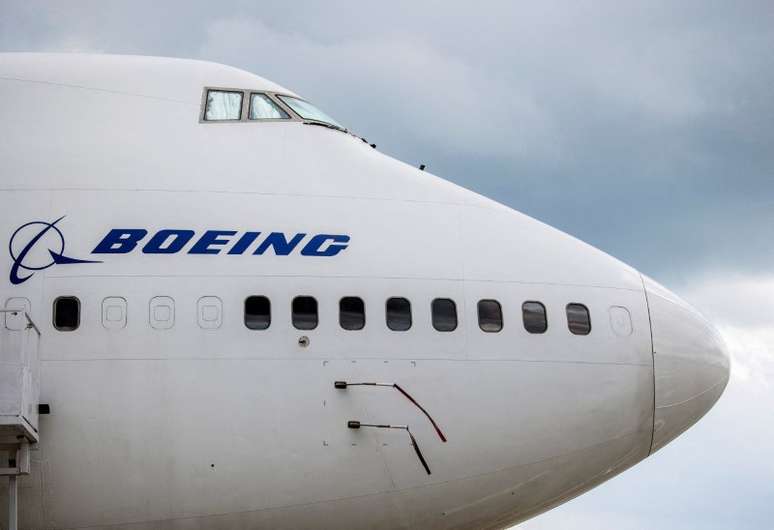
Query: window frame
point(545, 314)
point(387, 318)
point(55, 310)
point(206, 93)
point(567, 316)
point(316, 312)
point(244, 311)
point(456, 314)
point(333, 123)
point(245, 109)
point(273, 100)
point(500, 309)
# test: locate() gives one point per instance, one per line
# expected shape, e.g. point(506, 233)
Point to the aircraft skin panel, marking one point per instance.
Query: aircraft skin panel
point(137, 75)
point(379, 243)
point(161, 425)
point(175, 415)
point(690, 363)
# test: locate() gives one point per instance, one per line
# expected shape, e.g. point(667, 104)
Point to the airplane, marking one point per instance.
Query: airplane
point(224, 310)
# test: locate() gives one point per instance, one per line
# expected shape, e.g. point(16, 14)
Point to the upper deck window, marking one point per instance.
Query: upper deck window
point(263, 108)
point(307, 111)
point(223, 105)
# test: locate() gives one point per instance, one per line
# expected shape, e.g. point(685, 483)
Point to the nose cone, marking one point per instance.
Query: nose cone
point(691, 365)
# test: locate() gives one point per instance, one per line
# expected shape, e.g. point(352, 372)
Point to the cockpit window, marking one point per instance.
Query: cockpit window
point(307, 111)
point(223, 105)
point(263, 108)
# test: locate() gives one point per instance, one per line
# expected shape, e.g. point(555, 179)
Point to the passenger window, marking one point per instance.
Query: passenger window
point(444, 313)
point(67, 313)
point(114, 312)
point(263, 108)
point(490, 316)
point(162, 312)
point(621, 321)
point(578, 319)
point(351, 313)
point(17, 321)
point(223, 105)
point(304, 312)
point(257, 312)
point(534, 316)
point(210, 312)
point(398, 314)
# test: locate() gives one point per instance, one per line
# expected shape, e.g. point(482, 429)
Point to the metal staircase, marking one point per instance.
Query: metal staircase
point(19, 397)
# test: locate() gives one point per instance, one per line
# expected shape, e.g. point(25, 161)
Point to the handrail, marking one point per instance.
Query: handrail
point(30, 322)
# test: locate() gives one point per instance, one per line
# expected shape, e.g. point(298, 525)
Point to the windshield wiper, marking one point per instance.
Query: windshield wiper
point(325, 124)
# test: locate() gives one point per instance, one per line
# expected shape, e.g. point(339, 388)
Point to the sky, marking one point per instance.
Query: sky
point(643, 128)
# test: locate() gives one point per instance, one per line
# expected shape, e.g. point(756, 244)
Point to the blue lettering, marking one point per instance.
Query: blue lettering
point(209, 239)
point(178, 240)
point(120, 241)
point(171, 241)
point(314, 247)
point(245, 241)
point(281, 246)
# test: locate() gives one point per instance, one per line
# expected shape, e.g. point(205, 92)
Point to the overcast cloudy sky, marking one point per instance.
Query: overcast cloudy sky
point(644, 128)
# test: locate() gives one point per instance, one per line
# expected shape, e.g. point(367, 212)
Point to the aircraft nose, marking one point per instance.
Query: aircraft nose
point(691, 364)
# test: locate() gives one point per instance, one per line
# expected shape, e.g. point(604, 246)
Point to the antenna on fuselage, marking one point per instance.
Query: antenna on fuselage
point(366, 141)
point(354, 424)
point(343, 385)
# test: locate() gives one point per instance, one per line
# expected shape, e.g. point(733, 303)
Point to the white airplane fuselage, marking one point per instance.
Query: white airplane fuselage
point(174, 414)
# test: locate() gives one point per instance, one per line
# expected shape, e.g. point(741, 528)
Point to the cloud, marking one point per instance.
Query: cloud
point(398, 80)
point(741, 306)
point(752, 354)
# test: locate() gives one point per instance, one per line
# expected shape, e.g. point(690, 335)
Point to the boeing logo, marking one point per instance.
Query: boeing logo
point(36, 246)
point(39, 245)
point(172, 241)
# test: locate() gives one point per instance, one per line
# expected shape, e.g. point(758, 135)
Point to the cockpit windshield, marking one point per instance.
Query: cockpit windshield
point(307, 111)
